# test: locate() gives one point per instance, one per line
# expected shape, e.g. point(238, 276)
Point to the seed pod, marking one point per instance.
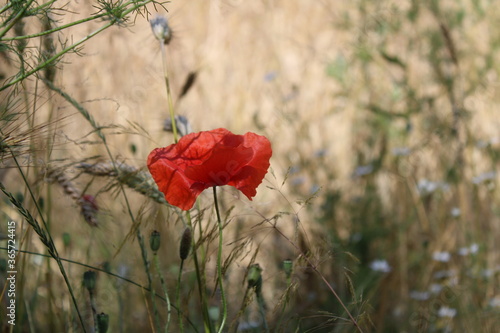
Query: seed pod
point(254, 277)
point(89, 280)
point(102, 322)
point(154, 241)
point(66, 239)
point(288, 267)
point(187, 237)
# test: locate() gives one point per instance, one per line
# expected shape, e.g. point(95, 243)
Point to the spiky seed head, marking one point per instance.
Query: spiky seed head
point(187, 237)
point(161, 29)
point(102, 322)
point(154, 241)
point(89, 209)
point(89, 280)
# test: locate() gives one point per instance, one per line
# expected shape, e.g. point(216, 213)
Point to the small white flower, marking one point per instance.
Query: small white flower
point(425, 186)
point(401, 151)
point(444, 274)
point(441, 256)
point(363, 170)
point(495, 302)
point(474, 248)
point(486, 176)
point(455, 212)
point(420, 295)
point(380, 265)
point(445, 311)
point(37, 260)
point(463, 251)
point(435, 288)
point(487, 273)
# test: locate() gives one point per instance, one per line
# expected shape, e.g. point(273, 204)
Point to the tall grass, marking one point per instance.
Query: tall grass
point(379, 213)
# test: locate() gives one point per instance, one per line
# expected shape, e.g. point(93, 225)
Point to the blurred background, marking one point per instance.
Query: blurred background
point(383, 121)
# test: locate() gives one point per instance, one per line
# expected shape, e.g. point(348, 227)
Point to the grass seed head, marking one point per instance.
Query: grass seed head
point(89, 209)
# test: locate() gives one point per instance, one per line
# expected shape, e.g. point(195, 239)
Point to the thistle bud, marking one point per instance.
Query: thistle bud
point(288, 267)
point(187, 237)
point(161, 30)
point(89, 280)
point(102, 322)
point(254, 277)
point(154, 241)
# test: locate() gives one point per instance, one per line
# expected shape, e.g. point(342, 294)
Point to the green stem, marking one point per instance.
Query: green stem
point(100, 270)
point(164, 287)
point(200, 277)
point(262, 309)
point(178, 297)
point(219, 264)
point(52, 59)
point(60, 28)
point(169, 94)
point(94, 310)
point(19, 16)
point(44, 234)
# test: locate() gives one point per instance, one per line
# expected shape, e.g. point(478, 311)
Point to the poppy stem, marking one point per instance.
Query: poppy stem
point(219, 264)
point(169, 93)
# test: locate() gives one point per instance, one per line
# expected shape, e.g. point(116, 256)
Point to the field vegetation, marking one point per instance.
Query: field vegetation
point(380, 211)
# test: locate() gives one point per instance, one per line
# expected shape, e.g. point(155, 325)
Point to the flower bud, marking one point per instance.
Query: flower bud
point(154, 241)
point(89, 280)
point(66, 239)
point(254, 277)
point(187, 237)
point(161, 30)
point(102, 322)
point(288, 267)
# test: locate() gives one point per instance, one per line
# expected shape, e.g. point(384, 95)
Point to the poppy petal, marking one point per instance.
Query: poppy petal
point(210, 158)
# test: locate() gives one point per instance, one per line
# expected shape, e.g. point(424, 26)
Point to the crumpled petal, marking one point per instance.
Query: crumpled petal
point(210, 158)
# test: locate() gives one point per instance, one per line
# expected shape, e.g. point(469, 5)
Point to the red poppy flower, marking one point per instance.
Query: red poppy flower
point(211, 158)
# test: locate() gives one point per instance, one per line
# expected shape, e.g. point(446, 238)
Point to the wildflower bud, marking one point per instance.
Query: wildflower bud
point(287, 267)
point(89, 280)
point(161, 30)
point(154, 241)
point(254, 277)
point(133, 148)
point(187, 237)
point(182, 124)
point(66, 239)
point(102, 322)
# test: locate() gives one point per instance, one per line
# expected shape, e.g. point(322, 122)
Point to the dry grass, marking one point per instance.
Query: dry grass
point(339, 88)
